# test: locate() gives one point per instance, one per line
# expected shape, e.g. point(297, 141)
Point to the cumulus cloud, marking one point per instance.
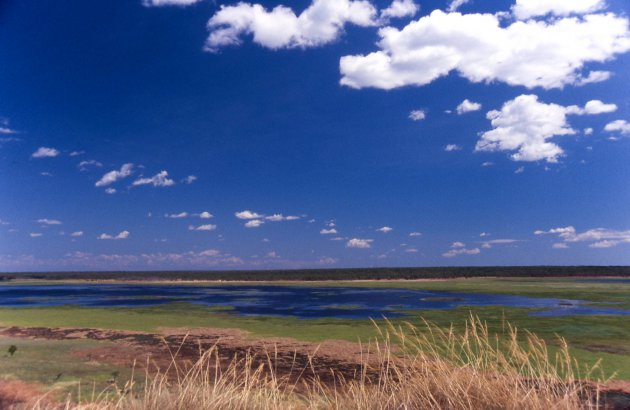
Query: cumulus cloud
point(456, 4)
point(331, 231)
point(417, 115)
point(525, 9)
point(598, 237)
point(254, 223)
point(525, 126)
point(452, 147)
point(205, 227)
point(113, 176)
point(177, 216)
point(247, 214)
point(322, 22)
point(44, 152)
point(359, 243)
point(160, 179)
point(189, 179)
point(467, 106)
point(46, 221)
point(121, 235)
point(161, 3)
point(491, 243)
point(280, 218)
point(85, 165)
point(415, 234)
point(621, 126)
point(110, 191)
point(458, 248)
point(205, 215)
point(592, 107)
point(399, 9)
point(76, 234)
point(385, 229)
point(534, 53)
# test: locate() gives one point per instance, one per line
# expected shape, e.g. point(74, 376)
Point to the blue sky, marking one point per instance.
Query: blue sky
point(184, 134)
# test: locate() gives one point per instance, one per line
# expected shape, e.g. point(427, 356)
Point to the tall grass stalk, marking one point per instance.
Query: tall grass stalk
point(406, 367)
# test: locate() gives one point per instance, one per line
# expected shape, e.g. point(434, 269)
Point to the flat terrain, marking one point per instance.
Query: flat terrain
point(60, 346)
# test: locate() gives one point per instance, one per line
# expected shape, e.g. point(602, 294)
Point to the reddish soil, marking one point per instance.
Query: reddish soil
point(291, 357)
point(15, 394)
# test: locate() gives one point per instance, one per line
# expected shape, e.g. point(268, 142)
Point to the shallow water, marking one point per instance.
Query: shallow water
point(299, 301)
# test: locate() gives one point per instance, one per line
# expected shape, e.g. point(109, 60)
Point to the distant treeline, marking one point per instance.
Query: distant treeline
point(334, 274)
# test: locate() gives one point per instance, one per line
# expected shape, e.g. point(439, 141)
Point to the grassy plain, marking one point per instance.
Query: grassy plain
point(591, 338)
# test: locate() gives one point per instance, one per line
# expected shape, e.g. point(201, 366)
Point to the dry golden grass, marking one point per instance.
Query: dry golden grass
point(406, 368)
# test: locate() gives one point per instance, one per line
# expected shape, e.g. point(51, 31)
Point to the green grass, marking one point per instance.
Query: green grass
point(591, 337)
point(54, 363)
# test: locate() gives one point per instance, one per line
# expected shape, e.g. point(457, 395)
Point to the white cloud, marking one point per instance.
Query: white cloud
point(212, 253)
point(161, 3)
point(417, 115)
point(76, 234)
point(456, 4)
point(322, 22)
point(46, 221)
point(160, 179)
point(548, 54)
point(331, 231)
point(599, 237)
point(35, 234)
point(76, 153)
point(113, 176)
point(385, 229)
point(592, 107)
point(110, 191)
point(189, 179)
point(280, 218)
point(43, 152)
point(177, 216)
point(247, 214)
point(84, 165)
point(272, 255)
point(560, 245)
point(467, 106)
point(121, 235)
point(326, 260)
point(411, 250)
point(526, 126)
point(461, 251)
point(484, 234)
point(458, 245)
point(205, 227)
point(491, 243)
point(399, 9)
point(254, 223)
point(519, 170)
point(621, 126)
point(452, 147)
point(594, 77)
point(415, 234)
point(525, 9)
point(359, 243)
point(589, 131)
point(205, 215)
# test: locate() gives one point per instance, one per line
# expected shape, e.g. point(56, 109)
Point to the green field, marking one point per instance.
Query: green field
point(592, 338)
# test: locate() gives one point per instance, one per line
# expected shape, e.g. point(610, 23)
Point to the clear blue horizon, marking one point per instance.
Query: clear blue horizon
point(189, 134)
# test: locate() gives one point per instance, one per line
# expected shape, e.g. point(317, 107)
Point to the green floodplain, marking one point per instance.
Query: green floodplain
point(602, 338)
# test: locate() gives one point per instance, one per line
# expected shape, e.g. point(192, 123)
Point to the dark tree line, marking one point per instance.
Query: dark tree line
point(335, 274)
